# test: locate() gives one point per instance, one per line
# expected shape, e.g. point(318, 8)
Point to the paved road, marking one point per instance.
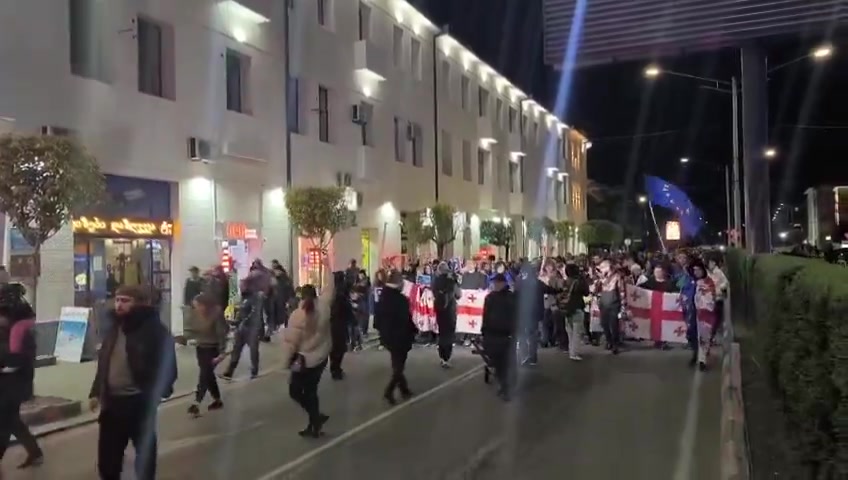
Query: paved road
point(627, 417)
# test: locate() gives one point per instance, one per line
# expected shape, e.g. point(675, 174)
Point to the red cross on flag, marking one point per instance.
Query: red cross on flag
point(658, 316)
point(469, 311)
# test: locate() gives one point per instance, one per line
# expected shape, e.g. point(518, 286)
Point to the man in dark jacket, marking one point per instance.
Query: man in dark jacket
point(341, 318)
point(499, 329)
point(393, 319)
point(531, 304)
point(17, 370)
point(445, 294)
point(136, 369)
point(249, 325)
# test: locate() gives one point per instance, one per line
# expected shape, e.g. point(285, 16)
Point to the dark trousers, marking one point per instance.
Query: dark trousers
point(355, 334)
point(11, 424)
point(337, 353)
point(123, 420)
point(206, 381)
point(691, 317)
point(560, 332)
point(398, 380)
point(249, 337)
point(610, 324)
point(501, 353)
point(303, 389)
point(529, 342)
point(446, 339)
point(547, 328)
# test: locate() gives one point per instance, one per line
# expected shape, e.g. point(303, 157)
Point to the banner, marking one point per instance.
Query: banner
point(658, 316)
point(469, 309)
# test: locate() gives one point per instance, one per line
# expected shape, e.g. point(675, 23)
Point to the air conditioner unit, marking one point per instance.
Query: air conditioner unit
point(356, 114)
point(199, 150)
point(410, 132)
point(58, 131)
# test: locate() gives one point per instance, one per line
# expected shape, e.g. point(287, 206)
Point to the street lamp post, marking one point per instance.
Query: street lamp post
point(653, 71)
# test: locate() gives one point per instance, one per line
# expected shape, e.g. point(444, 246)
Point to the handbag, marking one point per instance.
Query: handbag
point(297, 362)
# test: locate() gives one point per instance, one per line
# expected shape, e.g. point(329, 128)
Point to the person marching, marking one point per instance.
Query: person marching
point(17, 371)
point(306, 342)
point(445, 294)
point(249, 327)
point(393, 319)
point(499, 330)
point(211, 337)
point(612, 300)
point(341, 319)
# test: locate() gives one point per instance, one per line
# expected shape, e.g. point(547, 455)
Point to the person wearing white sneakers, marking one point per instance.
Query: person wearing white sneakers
point(570, 301)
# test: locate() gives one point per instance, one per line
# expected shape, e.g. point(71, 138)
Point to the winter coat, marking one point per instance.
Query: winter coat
point(308, 334)
point(150, 354)
point(500, 314)
point(393, 319)
point(17, 362)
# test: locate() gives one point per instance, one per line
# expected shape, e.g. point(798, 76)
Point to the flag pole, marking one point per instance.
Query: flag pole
point(654, 218)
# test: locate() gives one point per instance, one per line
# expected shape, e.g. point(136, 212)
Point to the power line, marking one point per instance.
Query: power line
point(815, 127)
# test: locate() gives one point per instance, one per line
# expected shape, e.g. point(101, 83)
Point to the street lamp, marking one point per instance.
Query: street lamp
point(770, 152)
point(643, 199)
point(684, 160)
point(823, 51)
point(652, 71)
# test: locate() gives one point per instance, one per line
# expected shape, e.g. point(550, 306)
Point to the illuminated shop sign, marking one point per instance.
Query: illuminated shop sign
point(123, 227)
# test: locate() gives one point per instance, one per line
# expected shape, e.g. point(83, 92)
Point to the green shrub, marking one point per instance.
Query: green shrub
point(801, 335)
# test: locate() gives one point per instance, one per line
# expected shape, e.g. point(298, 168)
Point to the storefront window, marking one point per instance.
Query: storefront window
point(109, 253)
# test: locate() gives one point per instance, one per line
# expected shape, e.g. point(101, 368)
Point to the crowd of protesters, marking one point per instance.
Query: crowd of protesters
point(532, 304)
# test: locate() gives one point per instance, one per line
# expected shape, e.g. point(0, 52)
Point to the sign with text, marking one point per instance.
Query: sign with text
point(123, 227)
point(71, 335)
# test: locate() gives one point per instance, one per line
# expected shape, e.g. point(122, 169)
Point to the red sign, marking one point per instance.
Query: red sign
point(314, 257)
point(226, 260)
point(235, 231)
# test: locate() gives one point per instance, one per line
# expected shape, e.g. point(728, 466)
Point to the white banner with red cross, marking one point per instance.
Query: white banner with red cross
point(658, 316)
point(469, 309)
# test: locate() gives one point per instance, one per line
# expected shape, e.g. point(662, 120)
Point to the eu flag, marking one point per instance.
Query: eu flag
point(668, 195)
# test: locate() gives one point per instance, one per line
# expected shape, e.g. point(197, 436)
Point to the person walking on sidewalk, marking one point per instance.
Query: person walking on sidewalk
point(393, 319)
point(249, 325)
point(17, 371)
point(210, 336)
point(306, 343)
point(136, 369)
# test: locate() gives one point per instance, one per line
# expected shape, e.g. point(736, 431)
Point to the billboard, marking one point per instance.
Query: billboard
point(620, 30)
point(672, 231)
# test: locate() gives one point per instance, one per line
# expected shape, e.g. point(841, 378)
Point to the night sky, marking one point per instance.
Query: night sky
point(639, 126)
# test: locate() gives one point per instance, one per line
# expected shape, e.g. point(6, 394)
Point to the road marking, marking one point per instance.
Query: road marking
point(686, 445)
point(369, 423)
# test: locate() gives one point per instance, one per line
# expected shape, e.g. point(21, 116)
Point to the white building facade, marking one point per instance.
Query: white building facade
point(184, 106)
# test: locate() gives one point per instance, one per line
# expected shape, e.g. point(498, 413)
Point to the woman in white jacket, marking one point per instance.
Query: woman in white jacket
point(307, 342)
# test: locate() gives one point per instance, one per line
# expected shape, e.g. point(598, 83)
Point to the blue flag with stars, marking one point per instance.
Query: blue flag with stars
point(664, 194)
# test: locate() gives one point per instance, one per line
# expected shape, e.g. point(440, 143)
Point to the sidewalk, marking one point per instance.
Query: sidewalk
point(62, 390)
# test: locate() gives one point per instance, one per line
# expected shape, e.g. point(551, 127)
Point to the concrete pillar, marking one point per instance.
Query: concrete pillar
point(754, 143)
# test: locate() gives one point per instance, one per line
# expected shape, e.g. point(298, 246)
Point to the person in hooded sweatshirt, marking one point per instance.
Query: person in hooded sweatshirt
point(445, 294)
point(136, 369)
point(393, 319)
point(17, 371)
point(342, 317)
point(306, 342)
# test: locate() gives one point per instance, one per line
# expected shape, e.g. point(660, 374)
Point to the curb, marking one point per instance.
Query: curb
point(734, 455)
point(64, 417)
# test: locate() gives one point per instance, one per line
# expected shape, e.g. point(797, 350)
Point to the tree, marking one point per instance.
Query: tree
point(416, 232)
point(564, 231)
point(538, 227)
point(601, 232)
point(443, 226)
point(318, 214)
point(499, 234)
point(45, 180)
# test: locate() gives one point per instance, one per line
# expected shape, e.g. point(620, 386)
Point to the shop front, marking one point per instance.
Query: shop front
point(111, 252)
point(127, 240)
point(241, 243)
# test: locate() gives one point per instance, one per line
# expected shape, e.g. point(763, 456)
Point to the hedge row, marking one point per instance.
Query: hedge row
point(797, 310)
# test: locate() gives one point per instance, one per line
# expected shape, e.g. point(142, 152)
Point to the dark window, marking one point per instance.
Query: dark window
point(150, 58)
point(512, 171)
point(322, 12)
point(85, 46)
point(483, 101)
point(323, 115)
point(235, 88)
point(481, 166)
point(294, 105)
point(400, 142)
